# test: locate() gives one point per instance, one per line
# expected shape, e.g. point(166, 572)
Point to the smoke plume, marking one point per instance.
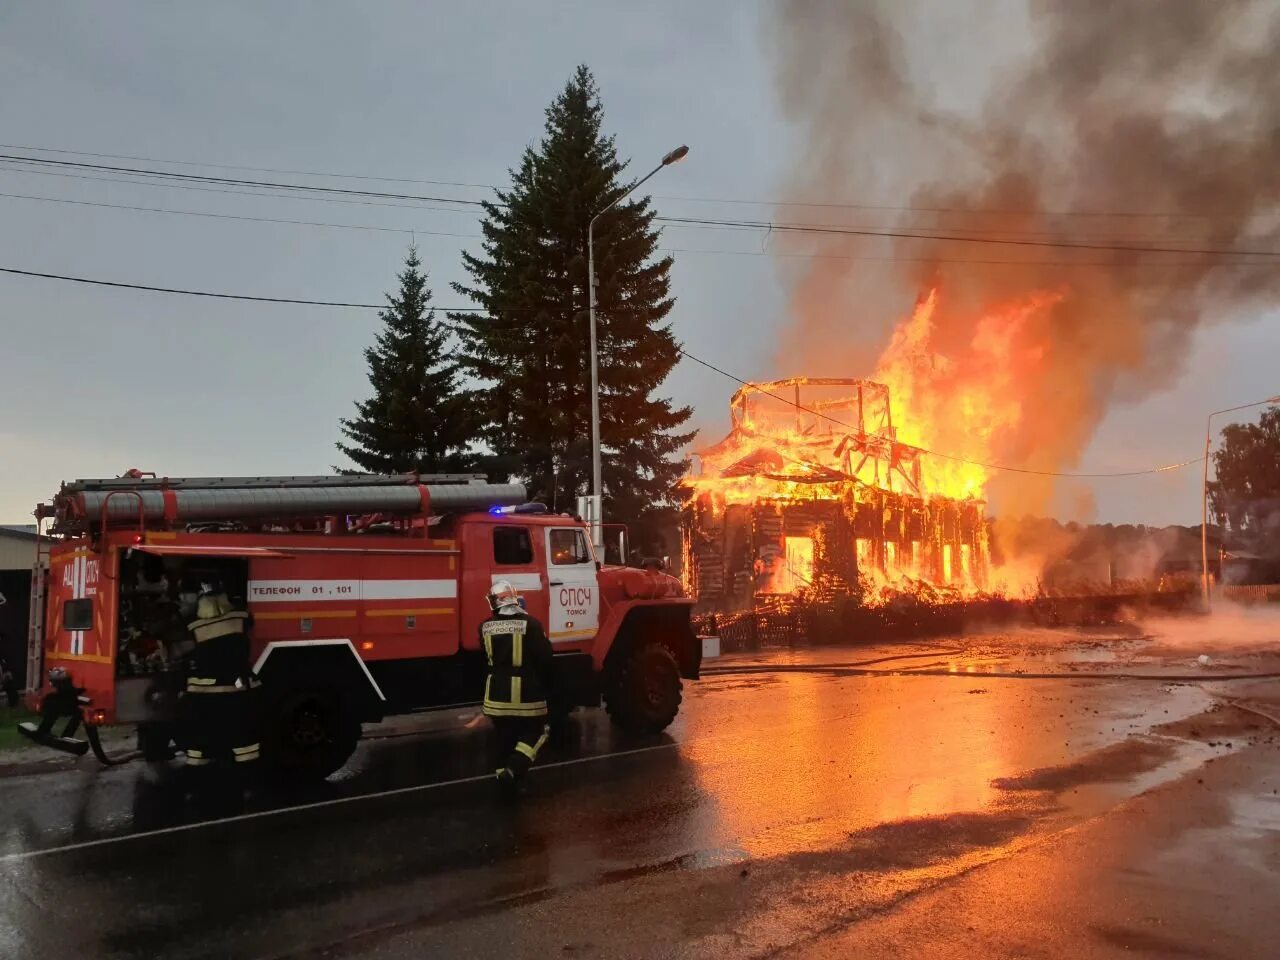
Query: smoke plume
point(1097, 122)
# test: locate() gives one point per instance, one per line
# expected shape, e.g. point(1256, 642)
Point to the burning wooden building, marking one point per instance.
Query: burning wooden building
point(812, 494)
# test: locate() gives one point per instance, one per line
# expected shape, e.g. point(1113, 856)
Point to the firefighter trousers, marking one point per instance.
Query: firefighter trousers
point(519, 740)
point(218, 712)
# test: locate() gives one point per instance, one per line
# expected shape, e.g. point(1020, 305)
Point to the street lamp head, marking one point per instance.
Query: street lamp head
point(676, 155)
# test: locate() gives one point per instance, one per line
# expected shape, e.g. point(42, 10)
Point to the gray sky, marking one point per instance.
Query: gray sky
point(93, 380)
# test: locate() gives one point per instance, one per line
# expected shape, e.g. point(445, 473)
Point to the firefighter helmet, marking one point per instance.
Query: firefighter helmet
point(504, 597)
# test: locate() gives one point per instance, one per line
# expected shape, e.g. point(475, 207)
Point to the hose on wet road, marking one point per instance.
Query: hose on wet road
point(860, 670)
point(106, 759)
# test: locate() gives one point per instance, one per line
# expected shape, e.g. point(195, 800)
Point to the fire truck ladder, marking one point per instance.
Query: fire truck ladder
point(35, 618)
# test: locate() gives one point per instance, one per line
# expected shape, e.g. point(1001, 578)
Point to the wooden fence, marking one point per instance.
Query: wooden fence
point(1255, 593)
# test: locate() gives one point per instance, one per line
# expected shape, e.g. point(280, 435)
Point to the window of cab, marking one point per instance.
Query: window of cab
point(569, 546)
point(512, 547)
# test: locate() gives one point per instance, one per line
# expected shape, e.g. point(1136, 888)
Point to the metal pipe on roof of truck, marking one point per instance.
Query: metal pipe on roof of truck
point(150, 482)
point(262, 503)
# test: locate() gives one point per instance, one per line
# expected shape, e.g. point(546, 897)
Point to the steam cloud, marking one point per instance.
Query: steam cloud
point(1138, 122)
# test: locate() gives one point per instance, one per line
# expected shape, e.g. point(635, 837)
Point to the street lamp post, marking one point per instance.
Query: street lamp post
point(597, 489)
point(1204, 490)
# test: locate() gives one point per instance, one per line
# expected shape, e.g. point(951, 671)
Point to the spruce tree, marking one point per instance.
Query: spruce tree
point(418, 417)
point(529, 348)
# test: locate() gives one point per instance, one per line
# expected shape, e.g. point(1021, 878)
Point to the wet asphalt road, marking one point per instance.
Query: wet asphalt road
point(771, 767)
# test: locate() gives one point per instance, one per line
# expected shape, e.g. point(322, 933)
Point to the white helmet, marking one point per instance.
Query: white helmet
point(504, 597)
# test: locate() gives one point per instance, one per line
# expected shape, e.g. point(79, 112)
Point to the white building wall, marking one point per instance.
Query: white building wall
point(17, 552)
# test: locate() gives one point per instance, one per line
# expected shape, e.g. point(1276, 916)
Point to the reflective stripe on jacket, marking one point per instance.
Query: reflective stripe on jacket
point(520, 666)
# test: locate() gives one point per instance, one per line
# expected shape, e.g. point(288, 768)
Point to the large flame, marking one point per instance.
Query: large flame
point(922, 431)
point(960, 401)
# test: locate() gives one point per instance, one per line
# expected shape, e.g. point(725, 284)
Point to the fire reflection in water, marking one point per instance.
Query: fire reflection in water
point(826, 755)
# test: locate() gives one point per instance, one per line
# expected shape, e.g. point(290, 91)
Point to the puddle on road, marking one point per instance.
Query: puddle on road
point(1259, 812)
point(1121, 762)
point(1172, 750)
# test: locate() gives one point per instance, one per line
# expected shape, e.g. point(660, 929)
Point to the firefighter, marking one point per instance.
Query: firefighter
point(519, 681)
point(221, 723)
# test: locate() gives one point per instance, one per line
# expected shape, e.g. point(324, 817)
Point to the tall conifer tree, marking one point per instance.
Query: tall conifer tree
point(418, 417)
point(529, 349)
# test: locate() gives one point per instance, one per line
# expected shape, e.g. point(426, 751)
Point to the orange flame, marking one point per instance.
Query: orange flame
point(925, 426)
point(962, 407)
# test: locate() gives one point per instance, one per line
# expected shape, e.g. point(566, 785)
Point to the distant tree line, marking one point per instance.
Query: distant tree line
point(1245, 496)
point(506, 390)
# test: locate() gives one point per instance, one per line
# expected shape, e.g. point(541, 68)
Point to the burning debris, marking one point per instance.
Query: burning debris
point(812, 494)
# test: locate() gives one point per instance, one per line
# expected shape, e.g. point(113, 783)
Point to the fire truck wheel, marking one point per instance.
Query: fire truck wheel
point(309, 734)
point(644, 696)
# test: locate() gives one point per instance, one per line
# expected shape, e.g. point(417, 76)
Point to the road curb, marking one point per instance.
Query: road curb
point(25, 768)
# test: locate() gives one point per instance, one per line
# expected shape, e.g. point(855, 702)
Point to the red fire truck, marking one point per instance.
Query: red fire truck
point(365, 595)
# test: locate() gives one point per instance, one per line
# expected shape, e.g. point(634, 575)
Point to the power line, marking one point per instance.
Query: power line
point(260, 194)
point(226, 296)
point(232, 166)
point(683, 352)
point(189, 293)
point(933, 453)
point(969, 261)
point(902, 235)
point(825, 204)
point(739, 224)
point(235, 181)
point(968, 211)
point(233, 216)
point(475, 236)
point(419, 231)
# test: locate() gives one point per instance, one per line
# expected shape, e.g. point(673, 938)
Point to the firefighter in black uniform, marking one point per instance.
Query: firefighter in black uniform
point(218, 704)
point(520, 675)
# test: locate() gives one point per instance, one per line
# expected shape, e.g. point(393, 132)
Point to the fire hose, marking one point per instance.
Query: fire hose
point(107, 760)
point(850, 670)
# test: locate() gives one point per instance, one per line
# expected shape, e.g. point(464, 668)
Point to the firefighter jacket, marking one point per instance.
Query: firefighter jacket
point(215, 617)
point(218, 714)
point(520, 666)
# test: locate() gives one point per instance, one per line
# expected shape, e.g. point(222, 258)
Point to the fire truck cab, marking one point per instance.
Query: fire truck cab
point(364, 593)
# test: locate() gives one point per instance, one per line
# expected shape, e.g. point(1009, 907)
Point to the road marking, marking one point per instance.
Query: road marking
point(336, 801)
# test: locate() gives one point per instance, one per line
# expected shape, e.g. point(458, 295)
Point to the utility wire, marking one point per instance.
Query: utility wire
point(260, 194)
point(902, 235)
point(232, 166)
point(968, 211)
point(235, 181)
point(697, 221)
point(476, 236)
point(147, 181)
point(682, 351)
point(827, 204)
point(233, 216)
point(189, 293)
